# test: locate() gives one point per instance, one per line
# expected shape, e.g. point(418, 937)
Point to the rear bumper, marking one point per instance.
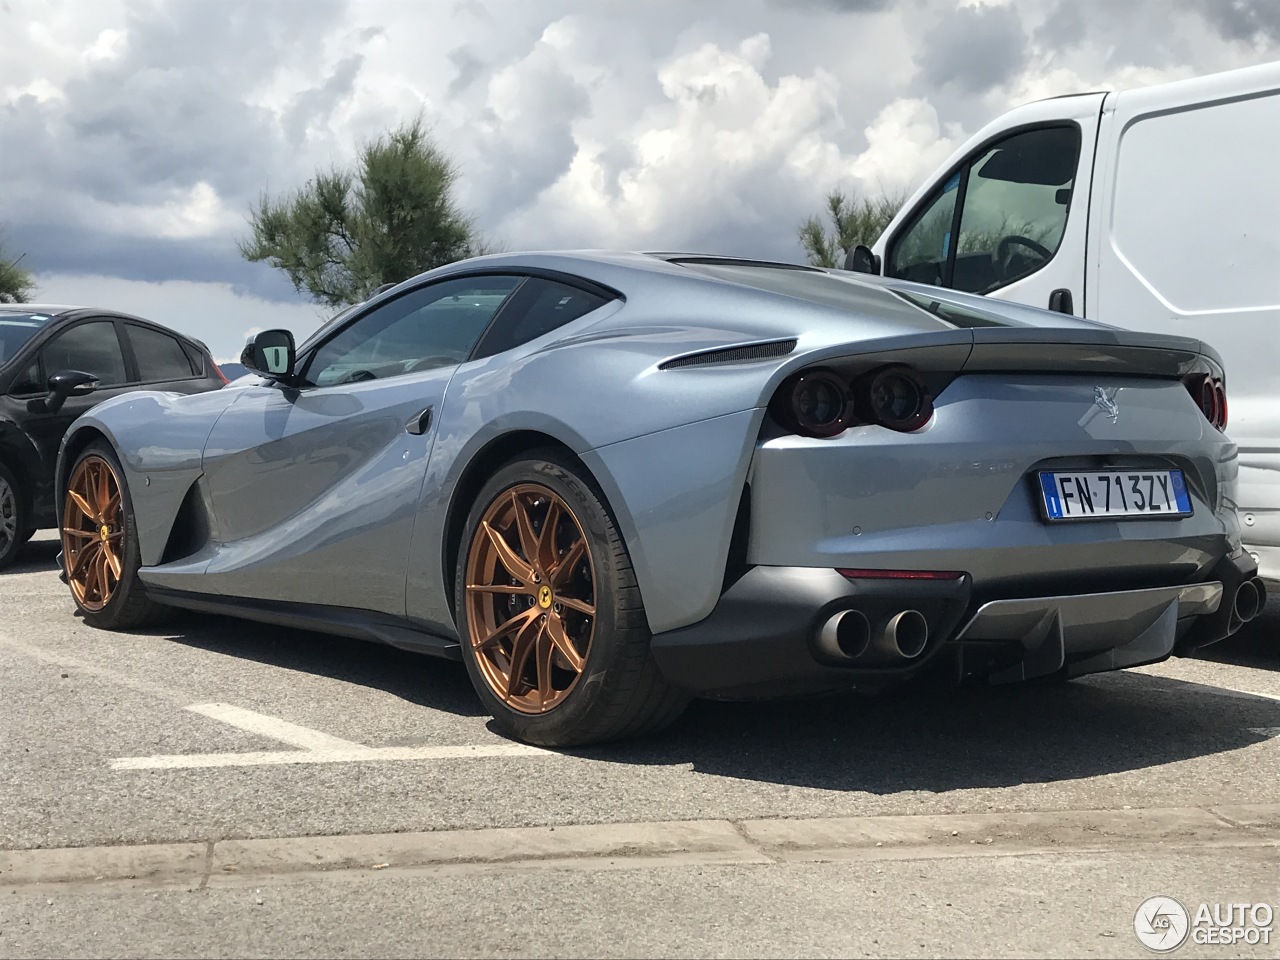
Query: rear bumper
point(762, 639)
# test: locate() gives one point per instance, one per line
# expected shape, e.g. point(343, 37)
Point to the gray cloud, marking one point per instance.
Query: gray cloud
point(839, 6)
point(1243, 19)
point(1065, 26)
point(566, 119)
point(317, 104)
point(470, 68)
point(973, 48)
point(99, 252)
point(144, 129)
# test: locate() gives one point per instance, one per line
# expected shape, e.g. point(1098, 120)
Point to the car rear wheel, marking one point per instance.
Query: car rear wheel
point(553, 629)
point(14, 531)
point(100, 544)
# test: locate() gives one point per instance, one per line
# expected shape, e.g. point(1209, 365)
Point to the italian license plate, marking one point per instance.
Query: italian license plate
point(1113, 494)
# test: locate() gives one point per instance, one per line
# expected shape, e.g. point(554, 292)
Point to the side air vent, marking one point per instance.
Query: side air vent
point(749, 353)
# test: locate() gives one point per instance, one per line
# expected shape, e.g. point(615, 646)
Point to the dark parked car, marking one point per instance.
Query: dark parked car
point(56, 363)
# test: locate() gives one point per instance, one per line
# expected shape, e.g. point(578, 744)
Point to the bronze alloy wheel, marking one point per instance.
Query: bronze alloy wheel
point(531, 599)
point(93, 533)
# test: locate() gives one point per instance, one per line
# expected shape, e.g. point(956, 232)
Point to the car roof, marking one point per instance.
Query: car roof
point(52, 309)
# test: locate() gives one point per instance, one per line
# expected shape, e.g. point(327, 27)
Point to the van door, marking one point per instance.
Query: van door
point(1187, 240)
point(1009, 218)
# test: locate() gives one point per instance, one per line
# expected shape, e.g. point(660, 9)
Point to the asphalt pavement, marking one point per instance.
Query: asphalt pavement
point(222, 788)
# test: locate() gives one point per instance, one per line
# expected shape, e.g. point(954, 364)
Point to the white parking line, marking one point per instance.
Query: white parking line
point(313, 746)
point(357, 755)
point(303, 738)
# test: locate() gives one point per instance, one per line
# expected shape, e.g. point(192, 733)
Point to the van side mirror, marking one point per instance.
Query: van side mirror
point(68, 383)
point(270, 353)
point(861, 260)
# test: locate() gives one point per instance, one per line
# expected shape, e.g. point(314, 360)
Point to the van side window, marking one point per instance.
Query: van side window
point(920, 253)
point(1014, 197)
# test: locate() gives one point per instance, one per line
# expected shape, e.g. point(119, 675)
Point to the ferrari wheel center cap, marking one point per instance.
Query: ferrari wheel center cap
point(104, 532)
point(544, 596)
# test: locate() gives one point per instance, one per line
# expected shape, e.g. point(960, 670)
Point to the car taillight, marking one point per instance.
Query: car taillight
point(821, 403)
point(1210, 396)
point(221, 376)
point(894, 397)
point(814, 403)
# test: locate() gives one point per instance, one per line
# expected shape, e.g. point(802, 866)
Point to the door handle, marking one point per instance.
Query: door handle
point(419, 423)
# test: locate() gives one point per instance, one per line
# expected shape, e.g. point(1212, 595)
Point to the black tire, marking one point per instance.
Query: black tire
point(620, 692)
point(14, 529)
point(129, 607)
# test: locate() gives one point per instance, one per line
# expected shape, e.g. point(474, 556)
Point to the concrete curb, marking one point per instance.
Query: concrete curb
point(637, 845)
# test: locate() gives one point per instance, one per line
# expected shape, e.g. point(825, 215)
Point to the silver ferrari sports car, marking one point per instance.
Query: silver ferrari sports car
point(611, 482)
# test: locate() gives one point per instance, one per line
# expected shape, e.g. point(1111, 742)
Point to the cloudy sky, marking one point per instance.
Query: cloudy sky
point(134, 134)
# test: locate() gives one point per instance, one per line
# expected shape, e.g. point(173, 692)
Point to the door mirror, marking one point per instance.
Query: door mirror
point(270, 353)
point(68, 383)
point(861, 260)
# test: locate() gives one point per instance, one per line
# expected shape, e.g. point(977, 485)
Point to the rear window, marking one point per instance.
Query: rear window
point(160, 357)
point(16, 329)
point(537, 307)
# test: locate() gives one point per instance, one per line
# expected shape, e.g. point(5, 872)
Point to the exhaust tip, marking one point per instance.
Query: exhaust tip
point(903, 636)
point(845, 636)
point(909, 632)
point(1246, 603)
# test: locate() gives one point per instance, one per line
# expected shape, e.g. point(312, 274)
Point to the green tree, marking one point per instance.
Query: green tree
point(853, 219)
point(16, 283)
point(384, 219)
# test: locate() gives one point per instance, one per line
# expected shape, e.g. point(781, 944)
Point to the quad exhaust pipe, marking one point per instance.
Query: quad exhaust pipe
point(848, 635)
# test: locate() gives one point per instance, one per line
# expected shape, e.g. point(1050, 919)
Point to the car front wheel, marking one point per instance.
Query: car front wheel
point(553, 629)
point(100, 544)
point(14, 531)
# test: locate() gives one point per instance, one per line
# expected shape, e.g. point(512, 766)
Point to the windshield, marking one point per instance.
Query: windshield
point(16, 329)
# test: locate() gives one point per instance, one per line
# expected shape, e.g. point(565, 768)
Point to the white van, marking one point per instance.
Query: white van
point(1154, 209)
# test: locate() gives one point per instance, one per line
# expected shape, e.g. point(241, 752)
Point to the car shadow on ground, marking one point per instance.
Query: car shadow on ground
point(911, 739)
point(35, 556)
point(1257, 644)
point(940, 741)
point(428, 681)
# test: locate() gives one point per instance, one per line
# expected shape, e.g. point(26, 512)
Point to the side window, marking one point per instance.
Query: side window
point(1015, 195)
point(1015, 208)
point(90, 348)
point(538, 307)
point(160, 356)
point(29, 380)
point(431, 326)
point(920, 252)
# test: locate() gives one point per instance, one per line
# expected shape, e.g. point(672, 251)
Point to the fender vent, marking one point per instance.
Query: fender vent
point(746, 354)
